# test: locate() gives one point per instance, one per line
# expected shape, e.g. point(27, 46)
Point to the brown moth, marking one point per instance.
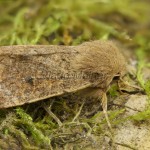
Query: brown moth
point(32, 73)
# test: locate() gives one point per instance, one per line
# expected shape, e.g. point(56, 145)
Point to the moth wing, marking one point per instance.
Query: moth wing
point(32, 73)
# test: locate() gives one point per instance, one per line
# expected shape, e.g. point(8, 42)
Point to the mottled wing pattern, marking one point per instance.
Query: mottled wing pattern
point(32, 73)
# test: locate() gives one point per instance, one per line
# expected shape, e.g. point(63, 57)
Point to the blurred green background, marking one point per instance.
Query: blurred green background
point(72, 21)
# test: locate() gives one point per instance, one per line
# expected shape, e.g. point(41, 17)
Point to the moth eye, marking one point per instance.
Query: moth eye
point(117, 76)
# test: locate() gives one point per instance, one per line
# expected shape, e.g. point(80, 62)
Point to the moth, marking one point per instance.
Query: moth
point(33, 73)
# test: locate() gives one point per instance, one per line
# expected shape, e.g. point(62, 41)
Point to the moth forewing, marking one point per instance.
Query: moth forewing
point(33, 73)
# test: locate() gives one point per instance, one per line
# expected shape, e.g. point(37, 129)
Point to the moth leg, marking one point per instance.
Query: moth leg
point(104, 106)
point(119, 87)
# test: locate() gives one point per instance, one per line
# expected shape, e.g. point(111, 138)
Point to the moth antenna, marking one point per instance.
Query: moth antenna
point(128, 84)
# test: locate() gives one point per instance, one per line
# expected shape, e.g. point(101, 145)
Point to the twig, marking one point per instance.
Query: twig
point(78, 113)
point(127, 107)
point(126, 145)
point(53, 115)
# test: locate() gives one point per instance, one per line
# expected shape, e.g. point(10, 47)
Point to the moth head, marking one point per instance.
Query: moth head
point(100, 57)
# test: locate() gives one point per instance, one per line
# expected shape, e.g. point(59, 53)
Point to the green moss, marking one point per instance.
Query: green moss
point(113, 90)
point(147, 88)
point(30, 126)
point(142, 116)
point(32, 23)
